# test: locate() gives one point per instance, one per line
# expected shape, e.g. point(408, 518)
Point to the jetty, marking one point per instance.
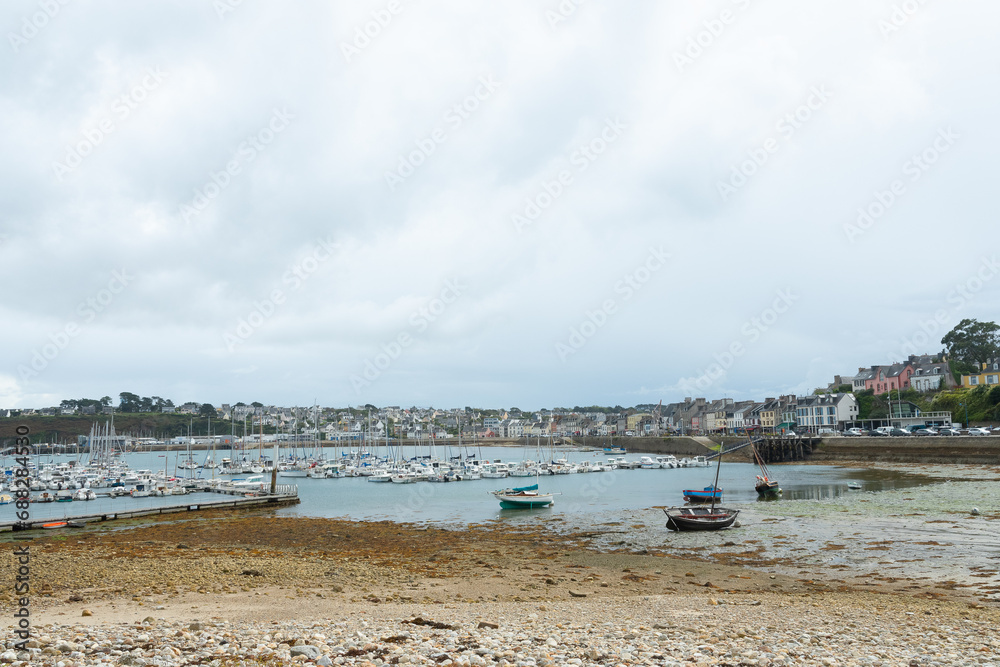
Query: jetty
point(283, 494)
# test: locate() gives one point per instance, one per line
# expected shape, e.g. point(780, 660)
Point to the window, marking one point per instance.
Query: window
point(973, 379)
point(831, 411)
point(991, 379)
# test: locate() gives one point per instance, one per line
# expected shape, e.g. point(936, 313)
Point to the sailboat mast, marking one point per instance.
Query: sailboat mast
point(715, 488)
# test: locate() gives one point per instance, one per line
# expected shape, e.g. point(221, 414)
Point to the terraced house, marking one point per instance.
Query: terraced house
point(989, 373)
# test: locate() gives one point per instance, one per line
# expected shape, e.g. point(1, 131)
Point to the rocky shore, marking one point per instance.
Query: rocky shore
point(254, 589)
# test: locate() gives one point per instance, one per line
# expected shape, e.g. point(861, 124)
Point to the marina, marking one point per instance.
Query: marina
point(583, 482)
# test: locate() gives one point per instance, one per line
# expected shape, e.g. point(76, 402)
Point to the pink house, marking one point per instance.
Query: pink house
point(890, 378)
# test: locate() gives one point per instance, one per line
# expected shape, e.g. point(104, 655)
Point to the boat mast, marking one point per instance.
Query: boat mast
point(715, 488)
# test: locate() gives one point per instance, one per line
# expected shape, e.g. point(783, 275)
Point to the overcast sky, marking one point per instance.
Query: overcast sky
point(506, 204)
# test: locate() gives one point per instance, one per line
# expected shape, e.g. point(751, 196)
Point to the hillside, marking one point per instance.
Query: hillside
point(65, 429)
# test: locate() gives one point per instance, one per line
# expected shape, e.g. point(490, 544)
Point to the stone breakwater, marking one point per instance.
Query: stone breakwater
point(852, 630)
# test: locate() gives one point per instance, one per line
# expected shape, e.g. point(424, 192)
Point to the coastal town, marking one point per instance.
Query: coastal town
point(918, 392)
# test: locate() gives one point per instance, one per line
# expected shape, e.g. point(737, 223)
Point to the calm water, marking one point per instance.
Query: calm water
point(471, 502)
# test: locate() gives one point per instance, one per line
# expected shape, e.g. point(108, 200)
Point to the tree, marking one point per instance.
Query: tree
point(970, 343)
point(206, 410)
point(257, 404)
point(129, 402)
point(105, 401)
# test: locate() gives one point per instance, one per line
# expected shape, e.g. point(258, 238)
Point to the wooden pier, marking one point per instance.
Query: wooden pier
point(778, 448)
point(285, 494)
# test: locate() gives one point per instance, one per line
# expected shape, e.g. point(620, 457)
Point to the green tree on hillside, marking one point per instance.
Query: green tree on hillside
point(970, 343)
point(129, 402)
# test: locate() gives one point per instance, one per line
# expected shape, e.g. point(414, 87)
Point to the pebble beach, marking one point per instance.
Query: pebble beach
point(251, 588)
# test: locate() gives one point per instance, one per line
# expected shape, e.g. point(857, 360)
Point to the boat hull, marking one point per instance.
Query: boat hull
point(700, 518)
point(706, 495)
point(521, 502)
point(768, 489)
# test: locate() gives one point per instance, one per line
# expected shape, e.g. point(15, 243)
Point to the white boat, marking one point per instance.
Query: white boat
point(251, 483)
point(648, 463)
point(525, 497)
point(668, 461)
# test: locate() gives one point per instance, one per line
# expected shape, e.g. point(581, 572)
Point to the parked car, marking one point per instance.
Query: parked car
point(924, 431)
point(898, 431)
point(854, 432)
point(948, 431)
point(876, 433)
point(980, 431)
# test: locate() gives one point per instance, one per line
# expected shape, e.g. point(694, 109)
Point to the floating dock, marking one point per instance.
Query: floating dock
point(284, 494)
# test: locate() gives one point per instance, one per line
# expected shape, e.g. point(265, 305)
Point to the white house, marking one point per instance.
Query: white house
point(826, 411)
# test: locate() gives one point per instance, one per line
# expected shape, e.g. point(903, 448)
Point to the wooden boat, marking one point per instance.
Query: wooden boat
point(765, 486)
point(709, 494)
point(524, 497)
point(854, 485)
point(700, 518)
point(712, 517)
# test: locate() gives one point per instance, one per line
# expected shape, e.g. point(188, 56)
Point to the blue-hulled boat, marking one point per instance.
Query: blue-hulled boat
point(709, 494)
point(524, 497)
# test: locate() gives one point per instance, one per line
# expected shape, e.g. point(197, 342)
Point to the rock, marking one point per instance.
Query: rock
point(324, 661)
point(87, 612)
point(148, 620)
point(65, 647)
point(307, 650)
point(183, 546)
point(252, 573)
point(487, 624)
point(196, 626)
point(8, 656)
point(577, 594)
point(74, 598)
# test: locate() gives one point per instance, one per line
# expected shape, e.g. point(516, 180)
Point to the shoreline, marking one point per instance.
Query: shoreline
point(264, 582)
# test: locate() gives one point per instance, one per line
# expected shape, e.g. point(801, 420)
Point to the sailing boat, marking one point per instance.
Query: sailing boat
point(765, 486)
point(524, 497)
point(702, 518)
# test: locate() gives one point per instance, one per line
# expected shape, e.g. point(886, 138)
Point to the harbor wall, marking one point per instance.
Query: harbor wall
point(910, 449)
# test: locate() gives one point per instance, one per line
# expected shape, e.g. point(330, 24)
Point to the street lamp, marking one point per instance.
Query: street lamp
point(963, 405)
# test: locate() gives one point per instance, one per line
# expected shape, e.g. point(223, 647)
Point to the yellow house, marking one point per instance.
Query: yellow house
point(632, 421)
point(989, 373)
